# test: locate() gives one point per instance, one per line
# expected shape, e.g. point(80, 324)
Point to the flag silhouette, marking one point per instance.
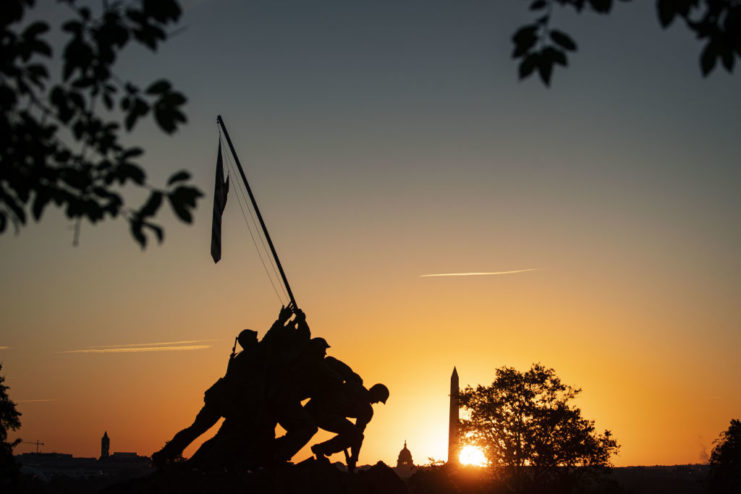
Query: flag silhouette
point(221, 189)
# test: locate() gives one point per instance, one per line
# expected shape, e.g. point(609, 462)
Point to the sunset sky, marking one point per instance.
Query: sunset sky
point(386, 141)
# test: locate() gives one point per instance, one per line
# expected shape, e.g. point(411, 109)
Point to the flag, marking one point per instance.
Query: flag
point(220, 191)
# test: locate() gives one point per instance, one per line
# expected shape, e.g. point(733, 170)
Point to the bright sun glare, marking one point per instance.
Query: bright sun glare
point(471, 455)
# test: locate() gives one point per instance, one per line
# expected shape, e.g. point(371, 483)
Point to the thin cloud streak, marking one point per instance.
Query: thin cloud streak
point(137, 349)
point(489, 273)
point(155, 343)
point(41, 400)
point(4, 347)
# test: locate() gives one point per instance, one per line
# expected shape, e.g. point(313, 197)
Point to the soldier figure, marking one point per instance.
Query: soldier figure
point(247, 436)
point(306, 377)
point(227, 396)
point(331, 412)
point(264, 385)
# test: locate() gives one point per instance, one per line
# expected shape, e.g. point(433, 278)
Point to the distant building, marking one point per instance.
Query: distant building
point(404, 464)
point(405, 458)
point(105, 445)
point(46, 466)
point(454, 423)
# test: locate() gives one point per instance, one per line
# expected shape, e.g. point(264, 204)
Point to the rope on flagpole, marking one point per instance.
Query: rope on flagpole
point(242, 201)
point(255, 230)
point(247, 187)
point(260, 234)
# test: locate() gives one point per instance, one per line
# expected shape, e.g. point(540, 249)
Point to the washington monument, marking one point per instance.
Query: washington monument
point(454, 426)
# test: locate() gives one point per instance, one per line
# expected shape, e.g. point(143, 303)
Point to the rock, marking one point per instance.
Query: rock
point(308, 477)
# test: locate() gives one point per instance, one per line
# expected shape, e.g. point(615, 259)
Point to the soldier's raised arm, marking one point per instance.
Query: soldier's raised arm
point(279, 326)
point(301, 326)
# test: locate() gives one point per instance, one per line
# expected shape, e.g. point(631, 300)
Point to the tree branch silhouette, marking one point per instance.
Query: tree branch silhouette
point(62, 135)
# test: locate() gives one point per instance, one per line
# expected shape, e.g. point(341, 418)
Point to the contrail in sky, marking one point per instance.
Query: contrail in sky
point(158, 343)
point(489, 273)
point(137, 349)
point(3, 348)
point(164, 346)
point(42, 400)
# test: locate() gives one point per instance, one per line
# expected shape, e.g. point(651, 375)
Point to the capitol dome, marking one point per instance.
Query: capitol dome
point(405, 458)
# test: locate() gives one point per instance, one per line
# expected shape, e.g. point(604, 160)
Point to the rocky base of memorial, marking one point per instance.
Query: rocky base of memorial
point(308, 477)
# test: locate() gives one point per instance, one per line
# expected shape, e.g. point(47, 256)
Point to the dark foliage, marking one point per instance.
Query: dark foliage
point(716, 23)
point(61, 136)
point(675, 479)
point(10, 420)
point(432, 479)
point(450, 479)
point(725, 461)
point(532, 434)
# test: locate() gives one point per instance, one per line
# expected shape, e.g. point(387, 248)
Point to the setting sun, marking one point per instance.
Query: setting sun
point(471, 455)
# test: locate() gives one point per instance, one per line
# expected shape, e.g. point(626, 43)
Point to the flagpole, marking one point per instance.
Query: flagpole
point(257, 210)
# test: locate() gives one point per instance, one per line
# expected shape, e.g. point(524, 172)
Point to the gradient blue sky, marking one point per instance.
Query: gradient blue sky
point(390, 139)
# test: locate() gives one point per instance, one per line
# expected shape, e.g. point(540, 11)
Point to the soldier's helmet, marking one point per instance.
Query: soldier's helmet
point(379, 392)
point(247, 337)
point(319, 343)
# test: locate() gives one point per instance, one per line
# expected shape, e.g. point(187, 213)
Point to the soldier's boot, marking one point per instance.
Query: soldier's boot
point(319, 453)
point(294, 439)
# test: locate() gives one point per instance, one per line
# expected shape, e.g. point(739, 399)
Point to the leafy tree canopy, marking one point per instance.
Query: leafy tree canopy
point(725, 461)
point(717, 23)
point(9, 421)
point(529, 428)
point(62, 134)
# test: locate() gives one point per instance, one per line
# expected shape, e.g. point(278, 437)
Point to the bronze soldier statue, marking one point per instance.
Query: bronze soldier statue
point(227, 397)
point(247, 436)
point(304, 378)
point(331, 412)
point(264, 385)
point(313, 376)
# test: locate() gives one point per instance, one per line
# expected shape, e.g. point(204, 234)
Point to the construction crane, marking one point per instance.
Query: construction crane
point(37, 443)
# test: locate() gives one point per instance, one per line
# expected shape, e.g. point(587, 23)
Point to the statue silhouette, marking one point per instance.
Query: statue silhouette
point(264, 386)
point(218, 400)
point(331, 411)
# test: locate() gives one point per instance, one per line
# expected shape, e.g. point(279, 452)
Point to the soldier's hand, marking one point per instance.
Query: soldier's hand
point(285, 313)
